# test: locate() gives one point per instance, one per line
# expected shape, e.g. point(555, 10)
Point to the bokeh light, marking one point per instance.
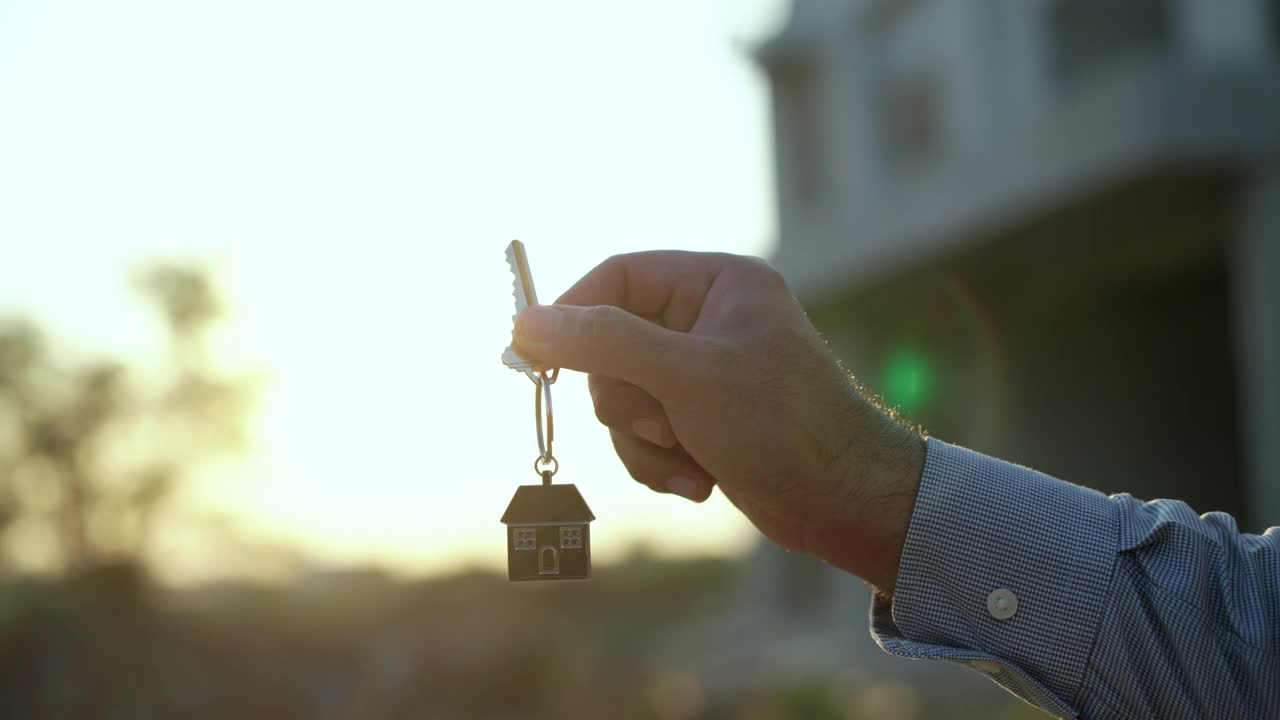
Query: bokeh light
point(908, 379)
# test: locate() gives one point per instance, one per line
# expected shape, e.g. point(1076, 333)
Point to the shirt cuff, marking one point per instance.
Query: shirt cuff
point(1004, 569)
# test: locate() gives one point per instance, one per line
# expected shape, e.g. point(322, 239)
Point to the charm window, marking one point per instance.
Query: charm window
point(570, 537)
point(525, 538)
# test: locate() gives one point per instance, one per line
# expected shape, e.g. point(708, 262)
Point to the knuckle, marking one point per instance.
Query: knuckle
point(600, 324)
point(656, 486)
point(615, 263)
point(615, 259)
point(606, 409)
point(650, 479)
point(636, 467)
point(633, 469)
point(592, 323)
point(762, 271)
point(602, 411)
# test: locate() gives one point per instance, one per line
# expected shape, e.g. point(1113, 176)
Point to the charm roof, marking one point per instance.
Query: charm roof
point(547, 504)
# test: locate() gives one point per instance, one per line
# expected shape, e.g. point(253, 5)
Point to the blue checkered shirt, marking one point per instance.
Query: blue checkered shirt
point(1086, 605)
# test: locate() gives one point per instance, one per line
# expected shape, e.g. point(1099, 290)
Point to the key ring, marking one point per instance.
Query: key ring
point(545, 462)
point(536, 377)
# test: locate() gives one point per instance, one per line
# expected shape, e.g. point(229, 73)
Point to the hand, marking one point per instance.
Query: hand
point(707, 372)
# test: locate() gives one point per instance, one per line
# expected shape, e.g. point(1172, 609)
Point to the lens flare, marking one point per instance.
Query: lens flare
point(909, 379)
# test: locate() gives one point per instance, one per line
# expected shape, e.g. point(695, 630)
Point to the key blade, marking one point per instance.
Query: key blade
point(522, 278)
point(525, 295)
point(516, 361)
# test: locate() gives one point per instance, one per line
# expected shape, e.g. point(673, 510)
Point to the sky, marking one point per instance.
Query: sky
point(353, 171)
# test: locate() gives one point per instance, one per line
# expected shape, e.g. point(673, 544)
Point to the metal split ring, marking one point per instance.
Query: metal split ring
point(547, 429)
point(539, 466)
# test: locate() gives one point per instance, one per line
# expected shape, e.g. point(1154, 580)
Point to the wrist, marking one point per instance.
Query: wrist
point(881, 476)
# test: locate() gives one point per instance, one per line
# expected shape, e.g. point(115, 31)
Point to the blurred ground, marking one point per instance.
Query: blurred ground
point(359, 644)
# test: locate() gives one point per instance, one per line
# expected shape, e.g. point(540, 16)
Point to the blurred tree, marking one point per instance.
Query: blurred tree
point(89, 452)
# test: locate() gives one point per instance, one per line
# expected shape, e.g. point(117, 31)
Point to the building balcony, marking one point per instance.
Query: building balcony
point(1144, 120)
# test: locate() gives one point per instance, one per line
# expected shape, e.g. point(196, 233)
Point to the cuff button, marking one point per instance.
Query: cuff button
point(1002, 604)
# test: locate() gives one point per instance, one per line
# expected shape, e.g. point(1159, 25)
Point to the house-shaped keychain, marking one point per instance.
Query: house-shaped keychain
point(548, 537)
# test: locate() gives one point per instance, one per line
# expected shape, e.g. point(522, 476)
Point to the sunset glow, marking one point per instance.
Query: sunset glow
point(352, 172)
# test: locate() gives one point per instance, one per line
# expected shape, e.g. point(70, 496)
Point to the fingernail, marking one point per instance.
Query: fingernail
point(651, 430)
point(684, 487)
point(538, 323)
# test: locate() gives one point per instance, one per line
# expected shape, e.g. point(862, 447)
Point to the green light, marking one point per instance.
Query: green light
point(908, 380)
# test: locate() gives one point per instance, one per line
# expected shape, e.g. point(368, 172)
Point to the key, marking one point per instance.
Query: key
point(548, 526)
point(525, 295)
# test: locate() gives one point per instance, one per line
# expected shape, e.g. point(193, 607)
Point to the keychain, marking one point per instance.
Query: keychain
point(548, 533)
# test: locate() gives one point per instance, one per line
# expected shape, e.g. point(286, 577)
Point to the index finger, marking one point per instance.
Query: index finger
point(668, 285)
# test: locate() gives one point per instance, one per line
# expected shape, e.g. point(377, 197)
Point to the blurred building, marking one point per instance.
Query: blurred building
point(1048, 229)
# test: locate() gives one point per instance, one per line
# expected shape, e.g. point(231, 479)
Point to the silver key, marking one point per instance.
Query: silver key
point(525, 295)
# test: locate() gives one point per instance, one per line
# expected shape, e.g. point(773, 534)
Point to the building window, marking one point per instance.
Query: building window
point(1273, 10)
point(911, 117)
point(570, 537)
point(910, 70)
point(801, 132)
point(525, 538)
point(886, 15)
point(1088, 35)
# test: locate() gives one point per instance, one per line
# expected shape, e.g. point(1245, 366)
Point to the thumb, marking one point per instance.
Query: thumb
point(605, 340)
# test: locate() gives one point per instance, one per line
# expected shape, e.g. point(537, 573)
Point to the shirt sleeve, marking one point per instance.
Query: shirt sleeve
point(1081, 604)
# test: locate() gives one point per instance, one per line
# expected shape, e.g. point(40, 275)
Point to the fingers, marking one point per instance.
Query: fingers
point(628, 409)
point(644, 441)
point(607, 340)
point(666, 470)
point(668, 285)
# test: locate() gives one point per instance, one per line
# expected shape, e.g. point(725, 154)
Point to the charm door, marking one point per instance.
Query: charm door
point(548, 561)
